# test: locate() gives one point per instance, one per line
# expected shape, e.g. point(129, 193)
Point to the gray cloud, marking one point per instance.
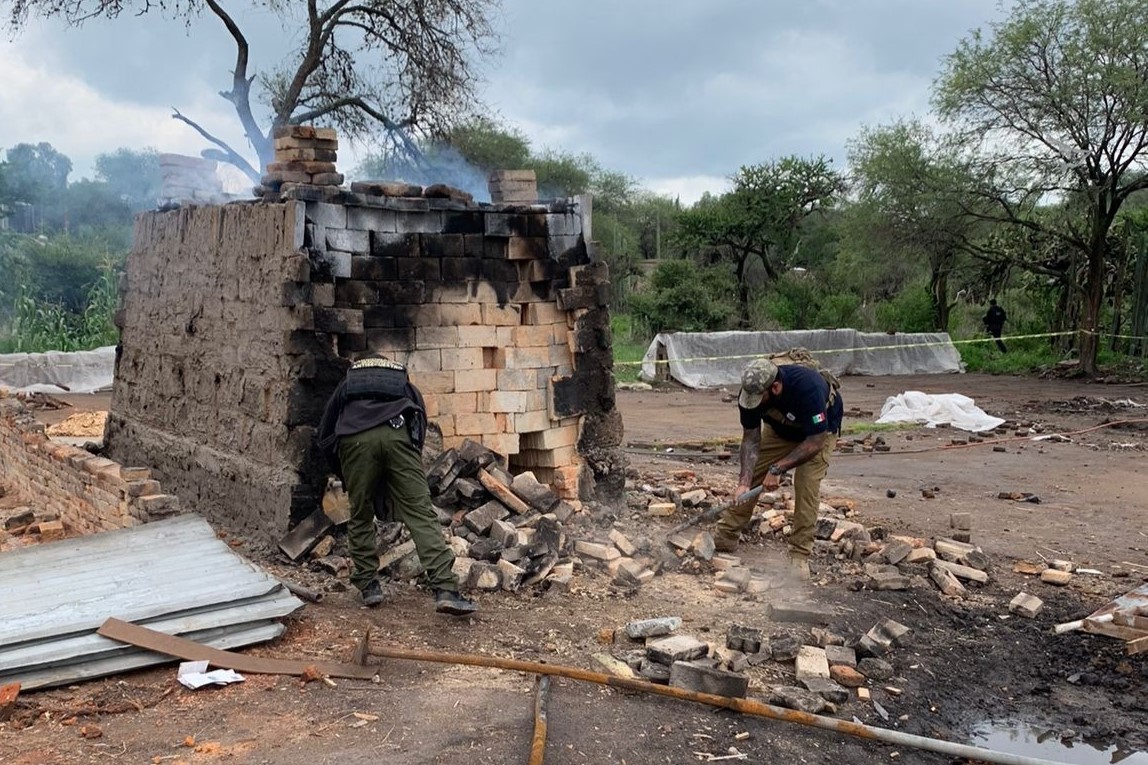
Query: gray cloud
point(654, 88)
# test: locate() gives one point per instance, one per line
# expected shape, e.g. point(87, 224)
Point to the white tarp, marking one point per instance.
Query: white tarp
point(714, 359)
point(58, 371)
point(937, 409)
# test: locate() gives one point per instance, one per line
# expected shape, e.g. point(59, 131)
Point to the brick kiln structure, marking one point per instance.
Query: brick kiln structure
point(239, 320)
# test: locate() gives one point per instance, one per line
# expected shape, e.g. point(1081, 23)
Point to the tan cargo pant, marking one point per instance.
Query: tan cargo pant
point(806, 493)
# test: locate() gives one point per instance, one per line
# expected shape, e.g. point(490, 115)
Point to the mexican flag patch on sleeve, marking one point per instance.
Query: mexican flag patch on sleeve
point(819, 418)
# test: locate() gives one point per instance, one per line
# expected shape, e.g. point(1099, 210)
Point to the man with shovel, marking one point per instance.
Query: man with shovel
point(801, 411)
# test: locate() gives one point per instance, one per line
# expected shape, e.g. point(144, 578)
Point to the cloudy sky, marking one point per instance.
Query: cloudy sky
point(677, 93)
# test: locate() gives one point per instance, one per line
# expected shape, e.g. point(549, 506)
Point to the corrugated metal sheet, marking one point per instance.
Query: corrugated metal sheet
point(176, 576)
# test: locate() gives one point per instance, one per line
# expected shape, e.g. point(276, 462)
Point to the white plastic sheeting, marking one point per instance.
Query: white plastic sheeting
point(58, 371)
point(714, 359)
point(937, 409)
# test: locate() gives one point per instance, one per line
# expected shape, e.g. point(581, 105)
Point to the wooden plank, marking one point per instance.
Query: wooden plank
point(142, 637)
point(1109, 629)
point(1139, 645)
point(1130, 619)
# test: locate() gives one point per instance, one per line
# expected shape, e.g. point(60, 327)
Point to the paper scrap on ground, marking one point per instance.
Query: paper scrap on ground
point(194, 674)
point(937, 409)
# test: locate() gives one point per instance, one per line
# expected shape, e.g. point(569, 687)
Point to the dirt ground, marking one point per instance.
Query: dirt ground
point(965, 662)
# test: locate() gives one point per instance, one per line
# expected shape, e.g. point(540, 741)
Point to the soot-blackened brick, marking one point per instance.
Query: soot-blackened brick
point(463, 223)
point(418, 268)
point(394, 245)
point(356, 293)
point(379, 316)
point(402, 293)
point(536, 225)
point(500, 271)
point(460, 269)
point(373, 268)
point(349, 344)
point(391, 338)
point(442, 245)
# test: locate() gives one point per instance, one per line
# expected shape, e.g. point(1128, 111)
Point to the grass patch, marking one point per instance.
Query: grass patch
point(627, 361)
point(854, 428)
point(1023, 356)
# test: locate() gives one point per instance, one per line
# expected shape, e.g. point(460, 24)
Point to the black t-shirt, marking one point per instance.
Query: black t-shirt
point(800, 411)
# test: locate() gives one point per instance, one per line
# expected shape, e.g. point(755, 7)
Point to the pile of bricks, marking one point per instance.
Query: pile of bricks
point(188, 179)
point(514, 187)
point(304, 155)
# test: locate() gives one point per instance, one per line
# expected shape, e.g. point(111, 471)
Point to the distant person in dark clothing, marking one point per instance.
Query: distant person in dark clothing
point(994, 322)
point(372, 432)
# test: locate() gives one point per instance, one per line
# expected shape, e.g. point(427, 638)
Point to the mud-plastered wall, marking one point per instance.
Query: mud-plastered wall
point(209, 360)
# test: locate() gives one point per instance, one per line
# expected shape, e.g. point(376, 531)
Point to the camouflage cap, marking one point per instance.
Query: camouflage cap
point(755, 380)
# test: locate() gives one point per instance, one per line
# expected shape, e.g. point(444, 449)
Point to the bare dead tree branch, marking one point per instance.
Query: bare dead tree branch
point(233, 156)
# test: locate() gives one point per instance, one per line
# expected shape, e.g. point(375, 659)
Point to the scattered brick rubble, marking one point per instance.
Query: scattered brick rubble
point(825, 666)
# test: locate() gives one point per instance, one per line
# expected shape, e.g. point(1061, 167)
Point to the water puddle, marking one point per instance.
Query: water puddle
point(1020, 738)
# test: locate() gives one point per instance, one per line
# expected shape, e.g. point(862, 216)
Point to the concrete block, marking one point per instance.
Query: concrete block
point(952, 550)
point(799, 699)
point(644, 628)
point(921, 555)
point(839, 655)
point(744, 639)
point(800, 612)
point(881, 638)
point(511, 575)
point(784, 648)
point(811, 662)
point(1026, 605)
point(596, 550)
point(705, 679)
point(968, 573)
point(667, 650)
point(623, 543)
point(505, 534)
point(961, 521)
point(484, 576)
point(1053, 577)
point(826, 689)
point(896, 551)
point(480, 519)
point(875, 669)
point(946, 582)
point(661, 509)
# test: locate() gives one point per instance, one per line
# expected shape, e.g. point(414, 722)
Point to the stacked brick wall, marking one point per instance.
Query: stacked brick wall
point(493, 309)
point(87, 493)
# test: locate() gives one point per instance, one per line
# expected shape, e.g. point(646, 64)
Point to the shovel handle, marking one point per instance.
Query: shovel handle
point(714, 512)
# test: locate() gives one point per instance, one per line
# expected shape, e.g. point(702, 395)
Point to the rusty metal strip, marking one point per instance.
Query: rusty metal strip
point(541, 702)
point(187, 650)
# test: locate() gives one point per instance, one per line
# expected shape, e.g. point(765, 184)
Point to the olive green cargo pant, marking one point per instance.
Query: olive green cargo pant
point(806, 493)
point(384, 457)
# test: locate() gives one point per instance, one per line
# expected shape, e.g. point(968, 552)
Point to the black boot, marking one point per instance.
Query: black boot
point(372, 594)
point(448, 602)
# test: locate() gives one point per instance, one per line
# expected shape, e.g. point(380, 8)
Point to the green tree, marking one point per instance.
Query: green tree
point(360, 66)
point(37, 175)
point(912, 203)
point(1053, 100)
point(489, 145)
point(132, 176)
point(684, 297)
point(761, 219)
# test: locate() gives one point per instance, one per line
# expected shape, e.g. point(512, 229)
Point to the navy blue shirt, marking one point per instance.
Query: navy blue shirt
point(801, 410)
